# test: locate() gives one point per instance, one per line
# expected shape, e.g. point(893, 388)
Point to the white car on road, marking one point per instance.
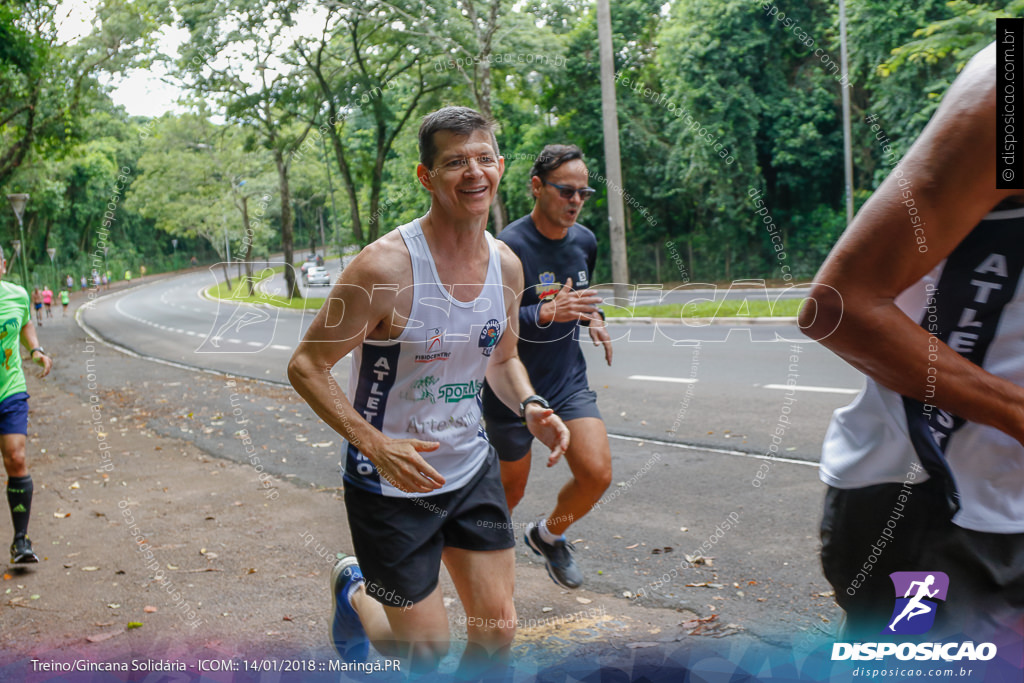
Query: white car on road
point(317, 275)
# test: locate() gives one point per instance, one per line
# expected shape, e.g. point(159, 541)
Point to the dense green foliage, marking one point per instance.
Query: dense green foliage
point(302, 125)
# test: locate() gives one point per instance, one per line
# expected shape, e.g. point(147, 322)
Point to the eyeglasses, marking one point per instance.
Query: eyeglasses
point(567, 192)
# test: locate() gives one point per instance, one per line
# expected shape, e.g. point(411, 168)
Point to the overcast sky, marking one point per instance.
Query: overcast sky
point(147, 92)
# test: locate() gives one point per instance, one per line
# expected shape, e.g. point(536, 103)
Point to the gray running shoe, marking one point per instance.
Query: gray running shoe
point(557, 556)
point(21, 551)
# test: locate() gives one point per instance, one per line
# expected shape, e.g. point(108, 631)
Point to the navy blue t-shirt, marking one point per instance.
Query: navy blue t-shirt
point(551, 353)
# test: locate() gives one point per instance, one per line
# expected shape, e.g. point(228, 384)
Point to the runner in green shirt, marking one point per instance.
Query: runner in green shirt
point(16, 325)
point(65, 299)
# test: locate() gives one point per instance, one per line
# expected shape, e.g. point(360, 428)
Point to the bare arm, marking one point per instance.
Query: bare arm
point(357, 310)
point(951, 173)
point(506, 374)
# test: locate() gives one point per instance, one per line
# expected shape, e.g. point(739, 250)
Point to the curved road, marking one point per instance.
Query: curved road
point(689, 410)
point(711, 385)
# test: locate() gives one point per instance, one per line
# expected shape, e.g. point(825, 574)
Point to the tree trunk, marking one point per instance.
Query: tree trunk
point(499, 214)
point(350, 186)
point(248, 246)
point(286, 225)
point(689, 255)
point(227, 276)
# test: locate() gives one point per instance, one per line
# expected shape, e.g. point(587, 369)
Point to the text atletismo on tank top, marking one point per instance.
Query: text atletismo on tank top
point(425, 384)
point(974, 302)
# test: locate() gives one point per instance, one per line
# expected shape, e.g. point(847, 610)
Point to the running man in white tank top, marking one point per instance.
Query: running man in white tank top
point(429, 310)
point(924, 294)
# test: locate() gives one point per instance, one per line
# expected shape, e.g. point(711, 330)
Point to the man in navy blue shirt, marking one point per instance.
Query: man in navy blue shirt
point(558, 256)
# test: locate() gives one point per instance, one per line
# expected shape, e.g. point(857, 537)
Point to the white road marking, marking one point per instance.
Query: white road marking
point(655, 378)
point(708, 449)
point(820, 390)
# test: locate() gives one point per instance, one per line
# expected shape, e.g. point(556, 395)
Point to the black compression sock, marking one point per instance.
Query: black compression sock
point(19, 498)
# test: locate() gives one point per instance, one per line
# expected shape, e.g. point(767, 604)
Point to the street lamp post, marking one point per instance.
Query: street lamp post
point(18, 202)
point(52, 252)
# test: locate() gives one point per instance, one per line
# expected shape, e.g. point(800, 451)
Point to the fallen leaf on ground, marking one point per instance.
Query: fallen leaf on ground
point(89, 569)
point(630, 547)
point(134, 624)
point(100, 637)
point(149, 609)
point(697, 560)
point(584, 601)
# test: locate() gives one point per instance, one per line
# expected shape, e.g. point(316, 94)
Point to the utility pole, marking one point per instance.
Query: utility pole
point(847, 150)
point(610, 119)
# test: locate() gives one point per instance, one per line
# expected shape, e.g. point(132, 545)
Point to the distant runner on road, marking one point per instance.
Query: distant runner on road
point(48, 300)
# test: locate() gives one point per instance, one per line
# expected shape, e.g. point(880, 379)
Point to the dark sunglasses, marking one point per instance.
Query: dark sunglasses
point(567, 192)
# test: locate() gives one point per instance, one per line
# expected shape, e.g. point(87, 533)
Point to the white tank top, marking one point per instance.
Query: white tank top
point(973, 301)
point(426, 383)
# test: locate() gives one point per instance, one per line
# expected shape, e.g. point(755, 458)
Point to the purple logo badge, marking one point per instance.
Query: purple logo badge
point(917, 596)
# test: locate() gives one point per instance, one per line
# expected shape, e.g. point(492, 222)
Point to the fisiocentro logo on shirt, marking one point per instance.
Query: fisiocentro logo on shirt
point(918, 598)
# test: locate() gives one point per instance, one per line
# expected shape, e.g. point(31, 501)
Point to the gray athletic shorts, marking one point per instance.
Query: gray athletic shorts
point(512, 440)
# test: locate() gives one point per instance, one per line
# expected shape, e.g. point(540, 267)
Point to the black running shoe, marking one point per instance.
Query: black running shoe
point(21, 551)
point(561, 566)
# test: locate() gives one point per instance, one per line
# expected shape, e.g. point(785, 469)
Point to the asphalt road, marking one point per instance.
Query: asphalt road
point(685, 453)
point(722, 386)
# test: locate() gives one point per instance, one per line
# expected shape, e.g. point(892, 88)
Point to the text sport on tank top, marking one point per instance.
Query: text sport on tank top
point(973, 301)
point(425, 384)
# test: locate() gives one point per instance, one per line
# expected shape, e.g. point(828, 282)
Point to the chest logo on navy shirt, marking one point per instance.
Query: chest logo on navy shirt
point(433, 346)
point(548, 287)
point(489, 336)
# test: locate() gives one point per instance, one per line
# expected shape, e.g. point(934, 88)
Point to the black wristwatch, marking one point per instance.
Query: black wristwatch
point(39, 349)
point(539, 400)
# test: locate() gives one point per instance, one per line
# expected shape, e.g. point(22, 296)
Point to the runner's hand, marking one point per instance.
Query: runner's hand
point(400, 464)
point(44, 361)
point(600, 335)
point(569, 305)
point(549, 428)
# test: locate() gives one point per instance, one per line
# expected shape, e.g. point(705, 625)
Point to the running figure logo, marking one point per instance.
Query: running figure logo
point(915, 614)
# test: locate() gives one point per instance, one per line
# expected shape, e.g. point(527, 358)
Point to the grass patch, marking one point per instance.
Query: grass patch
point(239, 293)
point(728, 308)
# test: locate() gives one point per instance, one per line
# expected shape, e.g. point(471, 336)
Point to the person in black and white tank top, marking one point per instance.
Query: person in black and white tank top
point(924, 294)
point(429, 310)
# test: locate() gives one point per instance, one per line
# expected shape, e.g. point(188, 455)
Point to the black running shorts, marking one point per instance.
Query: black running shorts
point(513, 440)
point(871, 532)
point(398, 541)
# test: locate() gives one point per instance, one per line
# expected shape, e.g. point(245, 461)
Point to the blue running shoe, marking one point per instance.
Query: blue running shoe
point(561, 566)
point(347, 631)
